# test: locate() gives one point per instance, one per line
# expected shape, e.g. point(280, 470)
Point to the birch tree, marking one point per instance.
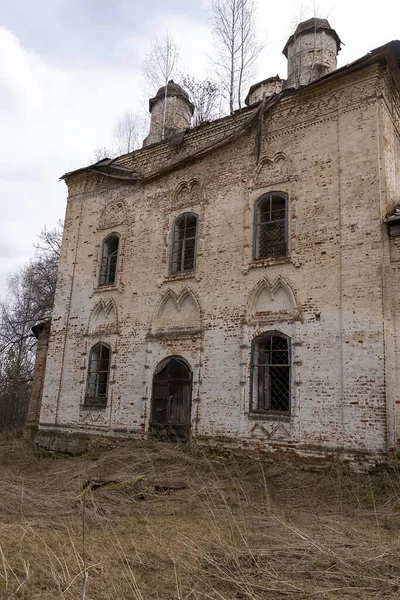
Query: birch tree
point(236, 47)
point(162, 65)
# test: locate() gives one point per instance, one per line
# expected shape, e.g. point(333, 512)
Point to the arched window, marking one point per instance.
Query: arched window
point(109, 260)
point(270, 226)
point(270, 373)
point(98, 375)
point(184, 238)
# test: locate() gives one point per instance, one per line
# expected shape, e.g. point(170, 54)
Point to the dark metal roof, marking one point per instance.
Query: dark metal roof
point(313, 25)
point(105, 166)
point(169, 90)
point(256, 85)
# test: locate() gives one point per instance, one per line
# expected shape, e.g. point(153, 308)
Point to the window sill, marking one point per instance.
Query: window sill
point(93, 406)
point(107, 286)
point(268, 416)
point(115, 287)
point(268, 262)
point(178, 276)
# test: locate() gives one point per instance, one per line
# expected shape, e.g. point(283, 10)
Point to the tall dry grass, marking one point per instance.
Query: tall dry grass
point(243, 527)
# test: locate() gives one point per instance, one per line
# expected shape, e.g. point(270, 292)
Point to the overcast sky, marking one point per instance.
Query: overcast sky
point(70, 68)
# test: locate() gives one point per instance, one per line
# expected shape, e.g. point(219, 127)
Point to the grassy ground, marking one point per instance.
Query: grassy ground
point(243, 528)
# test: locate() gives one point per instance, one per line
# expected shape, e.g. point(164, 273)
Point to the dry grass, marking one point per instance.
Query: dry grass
point(243, 528)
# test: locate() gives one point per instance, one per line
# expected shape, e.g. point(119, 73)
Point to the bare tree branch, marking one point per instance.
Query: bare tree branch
point(236, 47)
point(29, 301)
point(128, 133)
point(162, 63)
point(101, 153)
point(206, 97)
point(161, 66)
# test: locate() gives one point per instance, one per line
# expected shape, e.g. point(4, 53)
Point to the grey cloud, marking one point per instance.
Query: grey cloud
point(86, 32)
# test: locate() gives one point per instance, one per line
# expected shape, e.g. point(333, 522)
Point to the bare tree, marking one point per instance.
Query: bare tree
point(101, 153)
point(29, 301)
point(162, 63)
point(49, 242)
point(128, 133)
point(206, 97)
point(306, 11)
point(161, 66)
point(236, 47)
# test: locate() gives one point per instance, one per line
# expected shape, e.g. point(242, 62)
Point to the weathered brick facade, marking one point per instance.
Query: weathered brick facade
point(42, 334)
point(333, 147)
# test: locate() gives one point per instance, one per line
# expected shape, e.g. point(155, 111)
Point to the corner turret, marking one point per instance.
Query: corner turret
point(311, 52)
point(171, 112)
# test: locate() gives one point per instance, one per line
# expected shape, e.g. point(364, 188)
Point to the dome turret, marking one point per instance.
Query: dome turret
point(171, 112)
point(311, 52)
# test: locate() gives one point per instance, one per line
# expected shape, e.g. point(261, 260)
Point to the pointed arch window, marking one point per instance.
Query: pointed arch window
point(271, 374)
point(98, 375)
point(184, 242)
point(270, 226)
point(109, 260)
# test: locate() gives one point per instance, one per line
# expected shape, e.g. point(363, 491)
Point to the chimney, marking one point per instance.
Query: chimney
point(171, 112)
point(311, 52)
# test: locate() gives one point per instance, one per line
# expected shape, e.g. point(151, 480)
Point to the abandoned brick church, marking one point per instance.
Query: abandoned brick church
point(237, 283)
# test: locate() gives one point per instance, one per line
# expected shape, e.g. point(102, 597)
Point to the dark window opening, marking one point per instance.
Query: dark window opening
point(271, 226)
point(98, 375)
point(109, 259)
point(183, 251)
point(171, 399)
point(270, 370)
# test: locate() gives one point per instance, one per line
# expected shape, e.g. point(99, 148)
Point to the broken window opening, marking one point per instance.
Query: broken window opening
point(98, 375)
point(270, 226)
point(109, 260)
point(270, 373)
point(184, 241)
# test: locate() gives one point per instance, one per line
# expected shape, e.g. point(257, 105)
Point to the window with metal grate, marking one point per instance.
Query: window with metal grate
point(270, 370)
point(270, 226)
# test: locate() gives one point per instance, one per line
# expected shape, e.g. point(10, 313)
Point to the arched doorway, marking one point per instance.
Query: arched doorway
point(171, 399)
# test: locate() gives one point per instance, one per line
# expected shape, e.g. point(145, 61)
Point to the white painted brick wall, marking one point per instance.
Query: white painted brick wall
point(336, 155)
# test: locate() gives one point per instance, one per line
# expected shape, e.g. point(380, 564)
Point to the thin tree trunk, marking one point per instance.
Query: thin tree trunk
point(232, 78)
point(241, 54)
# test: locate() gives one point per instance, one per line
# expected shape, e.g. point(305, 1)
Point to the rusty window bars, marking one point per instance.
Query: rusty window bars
point(270, 226)
point(271, 374)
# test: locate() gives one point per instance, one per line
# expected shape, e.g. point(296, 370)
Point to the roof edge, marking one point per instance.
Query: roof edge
point(389, 51)
point(310, 28)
